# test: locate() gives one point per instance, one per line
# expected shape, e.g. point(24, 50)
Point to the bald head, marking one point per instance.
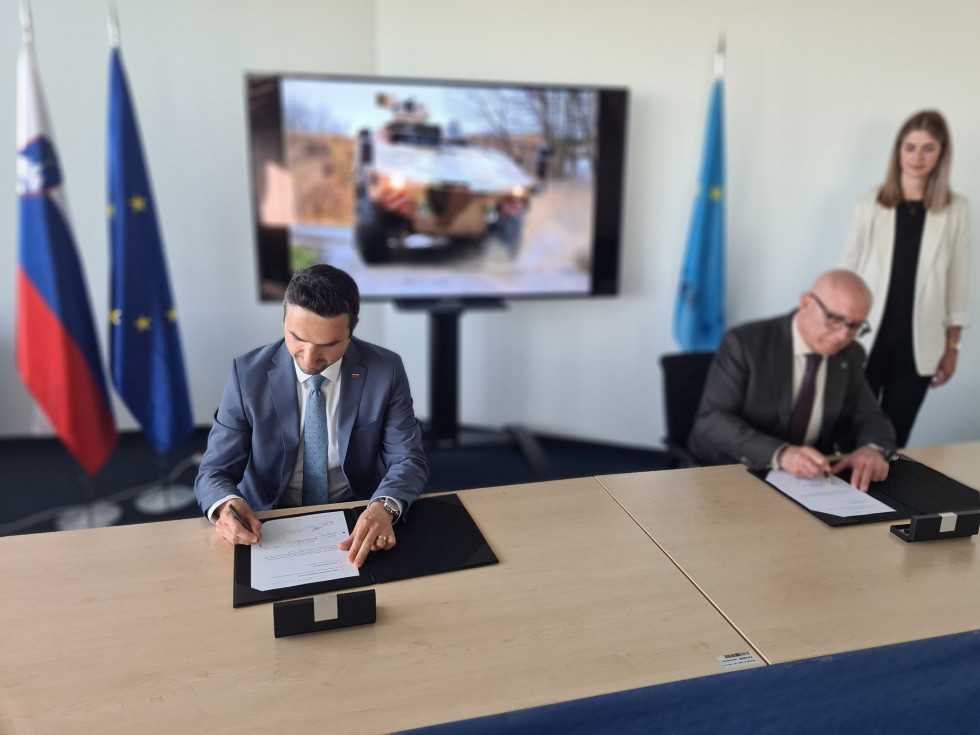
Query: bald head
point(844, 282)
point(833, 310)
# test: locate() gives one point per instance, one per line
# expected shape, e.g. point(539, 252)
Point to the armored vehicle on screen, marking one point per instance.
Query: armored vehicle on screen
point(417, 187)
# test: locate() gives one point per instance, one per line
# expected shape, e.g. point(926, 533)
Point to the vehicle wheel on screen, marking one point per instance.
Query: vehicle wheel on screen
point(372, 234)
point(509, 230)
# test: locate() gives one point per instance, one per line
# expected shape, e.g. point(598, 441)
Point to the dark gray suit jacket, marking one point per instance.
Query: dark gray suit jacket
point(744, 412)
point(255, 436)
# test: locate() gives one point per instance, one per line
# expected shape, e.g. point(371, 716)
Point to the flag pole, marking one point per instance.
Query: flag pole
point(26, 26)
point(113, 21)
point(720, 57)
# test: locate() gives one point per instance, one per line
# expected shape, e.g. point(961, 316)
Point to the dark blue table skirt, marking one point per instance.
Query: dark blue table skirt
point(928, 686)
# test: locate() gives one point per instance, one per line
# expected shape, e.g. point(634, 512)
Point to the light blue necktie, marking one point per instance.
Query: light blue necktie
point(315, 446)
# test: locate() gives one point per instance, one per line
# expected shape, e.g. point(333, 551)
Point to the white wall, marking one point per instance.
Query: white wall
point(815, 92)
point(185, 60)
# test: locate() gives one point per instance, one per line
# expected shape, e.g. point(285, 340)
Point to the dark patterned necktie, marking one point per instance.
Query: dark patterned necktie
point(799, 419)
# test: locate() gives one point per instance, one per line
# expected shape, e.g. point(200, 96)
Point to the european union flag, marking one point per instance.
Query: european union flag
point(57, 351)
point(145, 354)
point(699, 318)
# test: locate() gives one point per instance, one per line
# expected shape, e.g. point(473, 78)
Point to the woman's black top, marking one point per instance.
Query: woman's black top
point(896, 323)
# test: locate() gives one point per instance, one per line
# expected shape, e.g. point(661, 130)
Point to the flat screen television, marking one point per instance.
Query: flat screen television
point(430, 190)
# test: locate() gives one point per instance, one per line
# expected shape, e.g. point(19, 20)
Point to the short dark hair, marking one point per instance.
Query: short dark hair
point(324, 290)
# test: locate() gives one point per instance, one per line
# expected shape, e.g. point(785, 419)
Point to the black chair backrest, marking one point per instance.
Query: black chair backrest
point(684, 376)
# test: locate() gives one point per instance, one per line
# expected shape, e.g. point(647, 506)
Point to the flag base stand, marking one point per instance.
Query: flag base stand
point(160, 499)
point(94, 515)
point(165, 496)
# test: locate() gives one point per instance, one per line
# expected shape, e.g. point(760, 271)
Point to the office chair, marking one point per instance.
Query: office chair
point(684, 376)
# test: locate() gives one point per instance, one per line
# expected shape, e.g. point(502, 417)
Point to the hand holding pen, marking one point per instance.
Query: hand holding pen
point(802, 461)
point(238, 525)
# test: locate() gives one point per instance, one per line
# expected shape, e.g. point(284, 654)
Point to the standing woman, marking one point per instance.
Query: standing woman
point(909, 240)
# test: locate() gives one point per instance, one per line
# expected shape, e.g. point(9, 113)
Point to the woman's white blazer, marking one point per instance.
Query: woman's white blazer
point(941, 282)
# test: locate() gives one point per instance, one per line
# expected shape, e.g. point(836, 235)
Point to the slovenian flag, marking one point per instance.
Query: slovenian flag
point(145, 353)
point(57, 352)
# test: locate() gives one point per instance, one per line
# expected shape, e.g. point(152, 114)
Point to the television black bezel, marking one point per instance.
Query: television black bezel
point(271, 246)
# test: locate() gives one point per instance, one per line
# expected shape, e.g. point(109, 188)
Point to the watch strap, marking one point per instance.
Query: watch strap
point(390, 505)
point(886, 453)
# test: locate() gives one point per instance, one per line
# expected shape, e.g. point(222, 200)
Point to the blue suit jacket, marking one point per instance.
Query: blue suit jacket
point(255, 436)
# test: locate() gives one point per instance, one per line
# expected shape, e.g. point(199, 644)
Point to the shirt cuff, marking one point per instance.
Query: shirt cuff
point(774, 464)
point(224, 499)
point(885, 452)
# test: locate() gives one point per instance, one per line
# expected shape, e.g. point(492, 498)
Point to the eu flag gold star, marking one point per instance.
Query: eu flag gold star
point(142, 323)
point(115, 317)
point(172, 316)
point(715, 193)
point(137, 203)
point(110, 210)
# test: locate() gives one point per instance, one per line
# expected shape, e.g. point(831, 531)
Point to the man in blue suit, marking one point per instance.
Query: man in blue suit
point(318, 416)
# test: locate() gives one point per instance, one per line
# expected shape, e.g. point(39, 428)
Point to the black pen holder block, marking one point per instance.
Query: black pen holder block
point(935, 526)
point(324, 612)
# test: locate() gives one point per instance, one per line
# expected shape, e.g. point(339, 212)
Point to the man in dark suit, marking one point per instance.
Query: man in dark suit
point(318, 416)
point(784, 393)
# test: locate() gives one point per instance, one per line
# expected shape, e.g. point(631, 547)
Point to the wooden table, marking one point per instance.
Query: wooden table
point(131, 629)
point(795, 587)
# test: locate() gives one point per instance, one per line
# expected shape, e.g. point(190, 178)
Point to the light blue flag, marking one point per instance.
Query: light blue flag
point(145, 355)
point(699, 317)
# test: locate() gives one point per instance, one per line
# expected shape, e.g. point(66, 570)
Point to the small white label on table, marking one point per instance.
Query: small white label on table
point(737, 660)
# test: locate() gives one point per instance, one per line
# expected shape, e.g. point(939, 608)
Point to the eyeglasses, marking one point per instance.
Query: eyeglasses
point(835, 322)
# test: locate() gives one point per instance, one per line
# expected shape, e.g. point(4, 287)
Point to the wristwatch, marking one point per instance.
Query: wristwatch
point(391, 506)
point(886, 453)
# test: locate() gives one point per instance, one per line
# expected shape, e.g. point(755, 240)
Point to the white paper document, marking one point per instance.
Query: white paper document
point(823, 495)
point(300, 550)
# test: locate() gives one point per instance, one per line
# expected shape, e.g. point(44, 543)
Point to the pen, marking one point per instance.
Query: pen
point(240, 519)
point(835, 457)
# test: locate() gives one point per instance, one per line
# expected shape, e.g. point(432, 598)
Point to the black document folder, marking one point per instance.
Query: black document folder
point(911, 488)
point(437, 535)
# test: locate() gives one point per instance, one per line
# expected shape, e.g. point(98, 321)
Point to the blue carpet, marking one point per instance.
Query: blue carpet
point(928, 686)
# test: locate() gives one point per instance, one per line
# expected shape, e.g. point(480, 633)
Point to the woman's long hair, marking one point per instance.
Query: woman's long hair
point(937, 194)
